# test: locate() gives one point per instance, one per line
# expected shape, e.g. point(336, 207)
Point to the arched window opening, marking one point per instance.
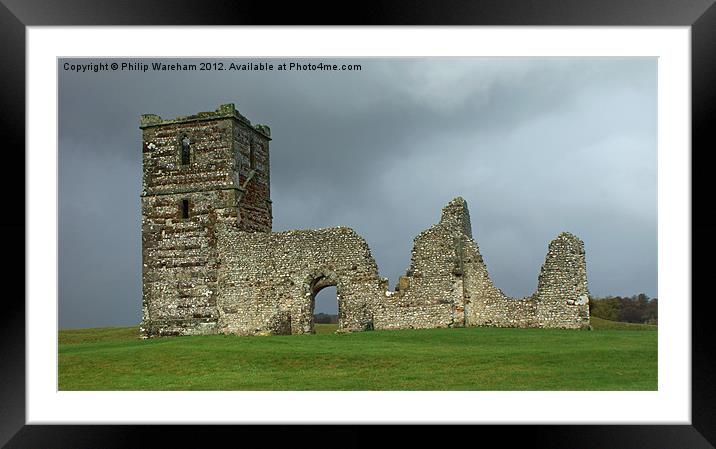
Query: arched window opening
point(184, 208)
point(252, 156)
point(185, 151)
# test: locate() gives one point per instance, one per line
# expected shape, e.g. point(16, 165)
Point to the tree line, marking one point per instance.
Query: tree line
point(325, 318)
point(631, 309)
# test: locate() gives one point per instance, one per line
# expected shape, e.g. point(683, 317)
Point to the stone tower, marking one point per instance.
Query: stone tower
point(198, 171)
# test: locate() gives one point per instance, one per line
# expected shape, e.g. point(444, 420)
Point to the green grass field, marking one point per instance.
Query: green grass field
point(614, 356)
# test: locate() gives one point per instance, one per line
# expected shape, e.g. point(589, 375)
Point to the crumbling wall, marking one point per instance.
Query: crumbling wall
point(431, 292)
point(448, 285)
point(562, 295)
point(268, 281)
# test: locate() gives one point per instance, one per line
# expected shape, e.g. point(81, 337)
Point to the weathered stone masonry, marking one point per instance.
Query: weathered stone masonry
point(198, 171)
point(212, 265)
point(268, 281)
point(447, 284)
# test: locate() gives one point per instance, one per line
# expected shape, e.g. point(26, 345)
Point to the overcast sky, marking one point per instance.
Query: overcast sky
point(536, 146)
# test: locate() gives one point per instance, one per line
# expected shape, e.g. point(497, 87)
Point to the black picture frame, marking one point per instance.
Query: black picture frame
point(16, 15)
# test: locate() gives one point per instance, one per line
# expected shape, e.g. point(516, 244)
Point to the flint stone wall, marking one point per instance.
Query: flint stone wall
point(448, 285)
point(268, 281)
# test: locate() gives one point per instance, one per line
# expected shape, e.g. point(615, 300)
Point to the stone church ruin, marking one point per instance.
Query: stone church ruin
point(211, 263)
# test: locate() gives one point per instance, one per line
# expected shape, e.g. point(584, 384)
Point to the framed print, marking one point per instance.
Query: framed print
point(373, 132)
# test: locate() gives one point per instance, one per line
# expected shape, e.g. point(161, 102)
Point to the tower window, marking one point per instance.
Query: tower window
point(184, 208)
point(185, 151)
point(252, 156)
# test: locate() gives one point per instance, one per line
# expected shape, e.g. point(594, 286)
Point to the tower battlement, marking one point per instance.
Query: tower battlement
point(227, 110)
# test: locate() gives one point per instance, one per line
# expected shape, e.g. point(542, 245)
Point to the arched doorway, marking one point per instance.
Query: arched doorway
point(325, 304)
point(352, 297)
point(325, 310)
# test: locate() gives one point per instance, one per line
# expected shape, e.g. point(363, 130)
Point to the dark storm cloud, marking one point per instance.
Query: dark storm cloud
point(535, 146)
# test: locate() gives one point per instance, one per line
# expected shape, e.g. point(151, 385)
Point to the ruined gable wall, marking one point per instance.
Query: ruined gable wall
point(267, 281)
point(431, 293)
point(483, 304)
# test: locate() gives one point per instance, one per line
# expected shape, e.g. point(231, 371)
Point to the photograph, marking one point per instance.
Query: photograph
point(357, 224)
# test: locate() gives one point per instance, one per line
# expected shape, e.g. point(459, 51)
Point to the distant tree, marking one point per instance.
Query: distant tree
point(629, 310)
point(325, 318)
point(633, 309)
point(651, 315)
point(606, 308)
